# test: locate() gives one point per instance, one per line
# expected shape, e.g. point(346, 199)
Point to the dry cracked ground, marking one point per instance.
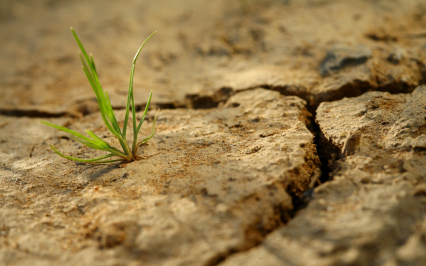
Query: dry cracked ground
point(290, 133)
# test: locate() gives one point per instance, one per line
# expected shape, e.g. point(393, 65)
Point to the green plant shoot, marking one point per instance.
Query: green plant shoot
point(128, 153)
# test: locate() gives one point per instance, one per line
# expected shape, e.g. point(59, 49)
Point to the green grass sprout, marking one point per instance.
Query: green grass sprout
point(128, 154)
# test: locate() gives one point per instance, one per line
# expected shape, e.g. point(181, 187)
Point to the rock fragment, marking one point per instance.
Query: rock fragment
point(377, 74)
point(373, 211)
point(211, 182)
point(340, 57)
point(396, 56)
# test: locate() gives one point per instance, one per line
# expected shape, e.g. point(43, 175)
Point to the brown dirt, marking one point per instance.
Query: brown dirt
point(261, 101)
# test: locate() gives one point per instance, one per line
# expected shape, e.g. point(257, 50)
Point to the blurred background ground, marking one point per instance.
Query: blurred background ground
point(260, 69)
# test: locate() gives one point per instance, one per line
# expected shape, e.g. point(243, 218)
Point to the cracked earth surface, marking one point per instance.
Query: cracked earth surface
point(291, 133)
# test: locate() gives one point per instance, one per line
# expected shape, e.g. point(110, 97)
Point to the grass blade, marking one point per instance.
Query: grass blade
point(67, 130)
point(105, 108)
point(130, 99)
point(149, 137)
point(111, 115)
point(83, 51)
point(144, 113)
point(95, 160)
point(99, 140)
point(107, 114)
point(136, 129)
point(95, 144)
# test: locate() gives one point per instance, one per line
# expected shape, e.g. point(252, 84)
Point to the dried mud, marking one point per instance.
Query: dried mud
point(291, 133)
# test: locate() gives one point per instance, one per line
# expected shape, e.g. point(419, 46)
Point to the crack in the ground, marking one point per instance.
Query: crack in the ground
point(212, 100)
point(34, 113)
point(197, 101)
point(299, 200)
point(351, 89)
point(326, 151)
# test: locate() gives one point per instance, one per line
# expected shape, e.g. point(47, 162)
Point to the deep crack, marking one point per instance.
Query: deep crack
point(327, 152)
point(33, 113)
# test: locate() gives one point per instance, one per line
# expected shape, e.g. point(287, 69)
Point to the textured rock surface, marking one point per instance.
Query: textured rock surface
point(235, 177)
point(375, 74)
point(203, 47)
point(339, 57)
point(374, 211)
point(211, 182)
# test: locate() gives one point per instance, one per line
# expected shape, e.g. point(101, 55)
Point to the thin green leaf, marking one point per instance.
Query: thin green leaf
point(85, 140)
point(99, 146)
point(125, 146)
point(136, 129)
point(92, 84)
point(92, 61)
point(80, 45)
point(130, 99)
point(67, 130)
point(110, 161)
point(91, 74)
point(111, 115)
point(96, 138)
point(144, 113)
point(152, 131)
point(86, 67)
point(95, 160)
point(91, 144)
point(135, 136)
point(107, 114)
point(100, 141)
